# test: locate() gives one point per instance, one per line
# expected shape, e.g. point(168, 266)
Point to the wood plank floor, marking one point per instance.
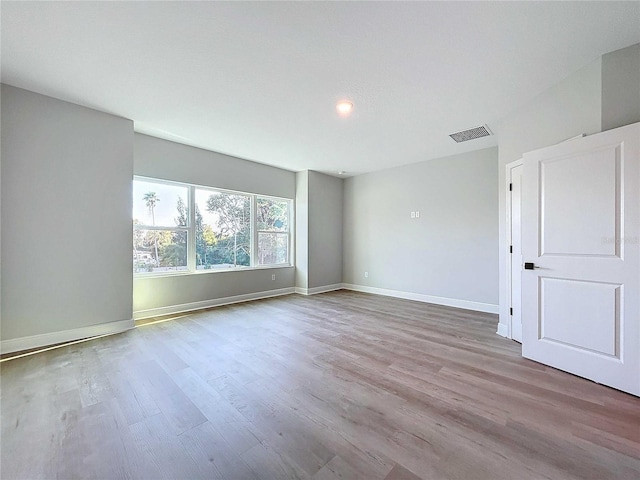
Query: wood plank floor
point(340, 385)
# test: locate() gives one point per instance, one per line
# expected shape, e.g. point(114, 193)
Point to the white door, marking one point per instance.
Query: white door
point(515, 183)
point(580, 219)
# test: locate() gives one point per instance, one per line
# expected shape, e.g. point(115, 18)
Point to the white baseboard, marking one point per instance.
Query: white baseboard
point(503, 330)
point(45, 339)
point(449, 302)
point(216, 302)
point(321, 289)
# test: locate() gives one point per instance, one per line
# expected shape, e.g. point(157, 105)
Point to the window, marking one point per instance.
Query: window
point(161, 223)
point(187, 228)
point(273, 231)
point(223, 229)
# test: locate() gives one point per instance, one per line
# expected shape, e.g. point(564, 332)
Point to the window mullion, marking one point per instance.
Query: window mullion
point(254, 231)
point(191, 232)
point(290, 229)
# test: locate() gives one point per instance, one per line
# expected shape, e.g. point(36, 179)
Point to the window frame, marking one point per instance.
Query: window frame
point(190, 230)
point(251, 227)
point(288, 233)
point(162, 228)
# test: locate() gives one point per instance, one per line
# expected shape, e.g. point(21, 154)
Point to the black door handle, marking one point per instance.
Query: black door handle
point(529, 266)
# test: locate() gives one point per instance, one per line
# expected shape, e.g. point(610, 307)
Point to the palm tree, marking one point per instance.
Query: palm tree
point(150, 200)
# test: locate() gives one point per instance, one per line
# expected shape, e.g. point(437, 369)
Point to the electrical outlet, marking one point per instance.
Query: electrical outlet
point(413, 214)
point(366, 274)
point(273, 276)
point(417, 214)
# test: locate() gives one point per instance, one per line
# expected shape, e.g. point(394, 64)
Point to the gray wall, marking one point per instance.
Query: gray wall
point(1, 222)
point(621, 87)
point(570, 108)
point(163, 159)
point(170, 291)
point(450, 251)
point(318, 231)
point(325, 230)
point(66, 215)
point(302, 230)
point(167, 160)
point(604, 94)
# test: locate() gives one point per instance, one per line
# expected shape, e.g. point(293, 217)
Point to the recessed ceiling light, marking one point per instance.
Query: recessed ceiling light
point(344, 107)
point(341, 172)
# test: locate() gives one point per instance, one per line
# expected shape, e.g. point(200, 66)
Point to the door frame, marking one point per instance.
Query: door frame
point(508, 180)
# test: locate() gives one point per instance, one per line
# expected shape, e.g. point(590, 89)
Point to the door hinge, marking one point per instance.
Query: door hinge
point(510, 248)
point(511, 311)
point(511, 187)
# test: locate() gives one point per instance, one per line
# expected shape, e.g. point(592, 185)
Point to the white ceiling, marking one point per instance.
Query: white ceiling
point(260, 80)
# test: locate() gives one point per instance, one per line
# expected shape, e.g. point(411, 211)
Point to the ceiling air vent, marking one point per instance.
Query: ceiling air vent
point(471, 134)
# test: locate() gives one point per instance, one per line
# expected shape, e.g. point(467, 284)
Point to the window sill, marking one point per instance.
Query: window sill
point(180, 273)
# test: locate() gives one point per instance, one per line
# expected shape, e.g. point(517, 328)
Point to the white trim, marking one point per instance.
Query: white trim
point(215, 302)
point(449, 302)
point(321, 289)
point(177, 273)
point(504, 323)
point(45, 339)
point(502, 330)
point(253, 231)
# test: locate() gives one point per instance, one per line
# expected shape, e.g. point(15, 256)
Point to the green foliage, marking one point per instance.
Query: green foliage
point(233, 240)
point(182, 220)
point(173, 255)
point(272, 215)
point(273, 223)
point(151, 200)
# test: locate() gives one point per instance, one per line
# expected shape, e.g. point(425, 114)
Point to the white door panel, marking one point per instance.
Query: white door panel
point(591, 207)
point(581, 215)
point(582, 314)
